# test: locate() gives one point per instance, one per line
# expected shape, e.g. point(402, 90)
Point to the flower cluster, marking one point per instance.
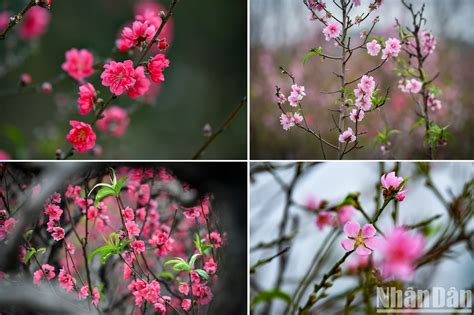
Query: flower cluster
point(428, 42)
point(54, 213)
point(7, 224)
point(289, 120)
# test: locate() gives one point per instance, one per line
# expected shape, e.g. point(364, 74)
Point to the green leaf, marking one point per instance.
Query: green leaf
point(29, 254)
point(312, 53)
point(105, 252)
point(182, 266)
point(102, 193)
point(269, 295)
point(379, 39)
point(420, 122)
point(100, 185)
point(193, 260)
point(203, 274)
point(166, 275)
point(119, 184)
point(171, 262)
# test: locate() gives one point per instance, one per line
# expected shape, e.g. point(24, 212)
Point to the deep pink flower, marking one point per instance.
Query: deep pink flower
point(53, 212)
point(35, 23)
point(87, 98)
point(92, 213)
point(186, 305)
point(393, 186)
point(79, 63)
point(95, 296)
point(324, 218)
point(115, 121)
point(215, 239)
point(142, 84)
point(81, 136)
point(138, 246)
point(118, 76)
point(210, 266)
point(132, 228)
point(156, 67)
point(400, 249)
point(139, 33)
point(373, 48)
point(332, 30)
point(83, 292)
point(361, 239)
point(66, 281)
point(4, 19)
point(347, 136)
point(46, 270)
point(58, 233)
point(4, 156)
point(392, 48)
point(143, 194)
point(184, 288)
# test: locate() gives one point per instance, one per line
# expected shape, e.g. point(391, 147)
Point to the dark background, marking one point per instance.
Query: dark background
point(204, 84)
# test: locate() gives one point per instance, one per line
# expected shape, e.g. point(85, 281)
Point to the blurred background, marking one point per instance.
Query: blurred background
point(281, 34)
point(227, 184)
point(204, 84)
point(332, 182)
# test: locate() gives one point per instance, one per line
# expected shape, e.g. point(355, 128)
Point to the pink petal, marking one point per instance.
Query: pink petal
point(352, 229)
point(384, 183)
point(368, 231)
point(373, 243)
point(348, 244)
point(363, 251)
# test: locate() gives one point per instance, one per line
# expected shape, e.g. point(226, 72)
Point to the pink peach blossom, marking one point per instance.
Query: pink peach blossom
point(115, 121)
point(324, 218)
point(79, 63)
point(156, 67)
point(392, 48)
point(82, 137)
point(132, 228)
point(332, 30)
point(362, 240)
point(357, 115)
point(347, 136)
point(54, 212)
point(58, 233)
point(47, 270)
point(87, 98)
point(345, 213)
point(142, 84)
point(373, 48)
point(393, 186)
point(34, 24)
point(66, 281)
point(95, 296)
point(118, 76)
point(138, 246)
point(400, 249)
point(184, 288)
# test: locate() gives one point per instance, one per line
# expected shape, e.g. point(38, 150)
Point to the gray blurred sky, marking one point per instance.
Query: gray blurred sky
point(283, 22)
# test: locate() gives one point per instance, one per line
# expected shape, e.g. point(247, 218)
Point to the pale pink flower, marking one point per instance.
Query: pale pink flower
point(118, 76)
point(324, 218)
point(297, 118)
point(392, 48)
point(70, 248)
point(313, 203)
point(427, 42)
point(138, 246)
point(58, 233)
point(286, 121)
point(46, 271)
point(357, 262)
point(400, 249)
point(35, 23)
point(156, 67)
point(132, 228)
point(434, 103)
point(79, 63)
point(87, 98)
point(281, 99)
point(332, 30)
point(357, 115)
point(66, 281)
point(356, 2)
point(81, 136)
point(115, 121)
point(393, 186)
point(347, 136)
point(373, 48)
point(186, 305)
point(142, 84)
point(367, 84)
point(294, 99)
point(410, 86)
point(361, 239)
point(9, 225)
point(345, 213)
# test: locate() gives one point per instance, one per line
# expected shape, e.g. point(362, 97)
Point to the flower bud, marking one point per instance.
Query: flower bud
point(47, 88)
point(44, 3)
point(163, 44)
point(25, 79)
point(207, 130)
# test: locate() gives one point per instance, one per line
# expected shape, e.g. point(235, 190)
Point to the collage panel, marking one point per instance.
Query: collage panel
point(361, 237)
point(123, 80)
point(361, 80)
point(123, 238)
